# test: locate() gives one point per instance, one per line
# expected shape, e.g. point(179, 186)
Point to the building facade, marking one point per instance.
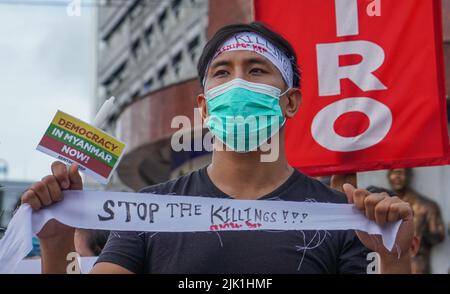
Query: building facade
point(147, 45)
point(148, 53)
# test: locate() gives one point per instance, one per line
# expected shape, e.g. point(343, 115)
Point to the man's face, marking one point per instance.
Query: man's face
point(245, 65)
point(252, 67)
point(398, 179)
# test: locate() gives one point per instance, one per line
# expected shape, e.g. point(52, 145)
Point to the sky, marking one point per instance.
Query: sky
point(47, 63)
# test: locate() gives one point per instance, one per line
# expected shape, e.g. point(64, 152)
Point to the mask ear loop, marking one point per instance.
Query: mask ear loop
point(285, 92)
point(281, 95)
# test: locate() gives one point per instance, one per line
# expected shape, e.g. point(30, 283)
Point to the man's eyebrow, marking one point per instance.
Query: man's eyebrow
point(220, 63)
point(249, 61)
point(256, 60)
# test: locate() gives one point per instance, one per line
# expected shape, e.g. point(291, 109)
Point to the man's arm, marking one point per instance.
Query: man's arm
point(109, 268)
point(382, 208)
point(54, 258)
point(57, 239)
point(54, 253)
point(391, 264)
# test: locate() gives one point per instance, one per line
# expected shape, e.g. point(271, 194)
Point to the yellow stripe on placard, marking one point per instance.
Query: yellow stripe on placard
point(88, 132)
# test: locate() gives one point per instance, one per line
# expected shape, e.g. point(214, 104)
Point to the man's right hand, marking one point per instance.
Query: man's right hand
point(57, 239)
point(48, 191)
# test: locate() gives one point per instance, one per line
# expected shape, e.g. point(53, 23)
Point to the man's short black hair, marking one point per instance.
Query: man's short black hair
point(96, 240)
point(227, 32)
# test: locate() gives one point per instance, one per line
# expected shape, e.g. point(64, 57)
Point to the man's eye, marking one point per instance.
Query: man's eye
point(220, 73)
point(258, 71)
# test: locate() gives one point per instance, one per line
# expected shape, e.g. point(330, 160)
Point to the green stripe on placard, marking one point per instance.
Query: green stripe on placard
point(65, 138)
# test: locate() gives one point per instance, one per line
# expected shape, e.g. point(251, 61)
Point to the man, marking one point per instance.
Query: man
point(90, 242)
point(415, 244)
point(429, 226)
point(245, 70)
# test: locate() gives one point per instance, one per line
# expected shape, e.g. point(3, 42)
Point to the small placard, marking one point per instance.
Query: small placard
point(72, 140)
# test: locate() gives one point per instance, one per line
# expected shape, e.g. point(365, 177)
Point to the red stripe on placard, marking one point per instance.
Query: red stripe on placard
point(92, 164)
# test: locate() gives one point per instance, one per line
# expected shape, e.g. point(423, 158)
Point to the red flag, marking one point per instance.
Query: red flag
point(372, 83)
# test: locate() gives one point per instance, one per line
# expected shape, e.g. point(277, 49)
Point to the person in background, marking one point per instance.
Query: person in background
point(415, 244)
point(429, 227)
point(90, 242)
point(337, 181)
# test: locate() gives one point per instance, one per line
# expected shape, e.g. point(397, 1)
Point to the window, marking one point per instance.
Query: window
point(162, 74)
point(116, 30)
point(148, 84)
point(192, 46)
point(136, 9)
point(176, 6)
point(107, 40)
point(108, 92)
point(135, 96)
point(103, 45)
point(162, 19)
point(176, 62)
point(148, 35)
point(135, 48)
point(107, 83)
point(118, 76)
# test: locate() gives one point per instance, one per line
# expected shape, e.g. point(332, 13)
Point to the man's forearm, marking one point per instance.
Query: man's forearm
point(393, 265)
point(54, 254)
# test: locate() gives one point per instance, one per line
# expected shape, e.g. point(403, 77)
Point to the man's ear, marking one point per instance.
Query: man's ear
point(201, 103)
point(293, 102)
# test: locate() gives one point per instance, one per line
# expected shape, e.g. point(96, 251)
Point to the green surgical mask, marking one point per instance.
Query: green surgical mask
point(244, 115)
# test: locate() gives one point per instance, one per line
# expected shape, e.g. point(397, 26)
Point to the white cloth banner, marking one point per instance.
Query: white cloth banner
point(166, 213)
point(33, 266)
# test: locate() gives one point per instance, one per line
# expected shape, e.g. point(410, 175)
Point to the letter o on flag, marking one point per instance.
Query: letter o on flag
point(380, 122)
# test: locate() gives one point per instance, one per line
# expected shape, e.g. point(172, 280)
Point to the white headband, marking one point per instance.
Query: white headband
point(248, 41)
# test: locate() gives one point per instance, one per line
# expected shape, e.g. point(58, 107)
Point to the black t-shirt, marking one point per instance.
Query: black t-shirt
point(228, 252)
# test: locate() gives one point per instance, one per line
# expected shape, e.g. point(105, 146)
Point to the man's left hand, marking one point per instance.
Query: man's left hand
point(382, 208)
